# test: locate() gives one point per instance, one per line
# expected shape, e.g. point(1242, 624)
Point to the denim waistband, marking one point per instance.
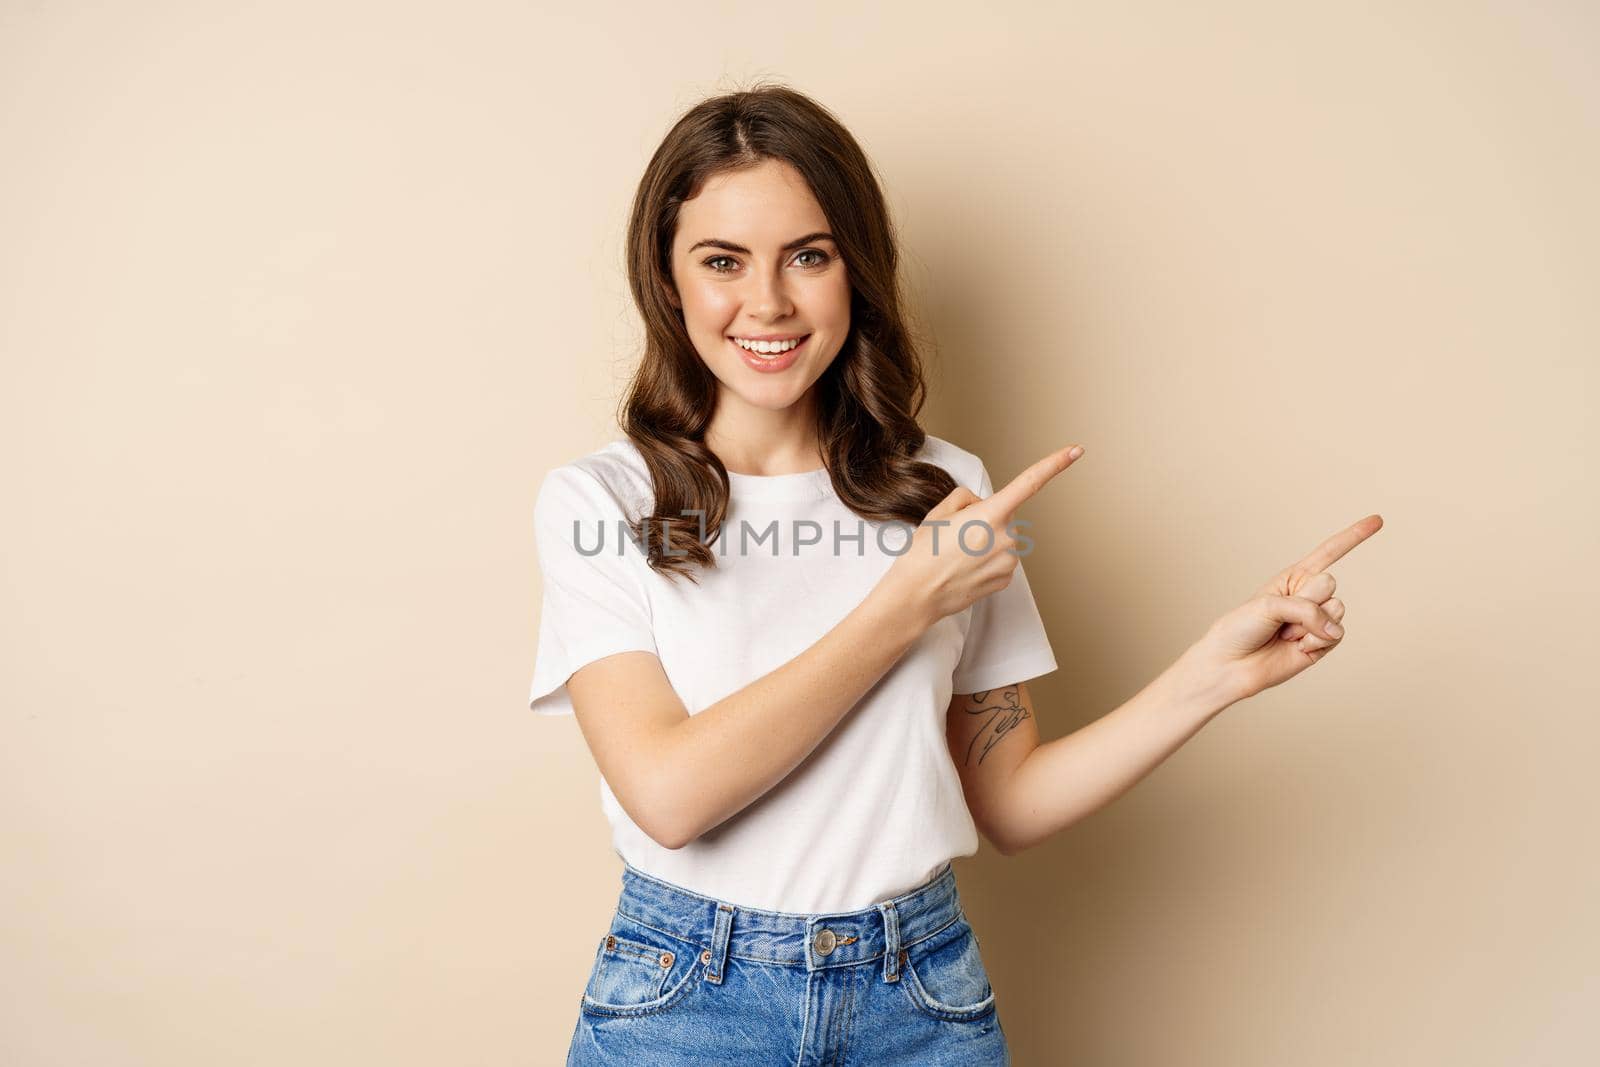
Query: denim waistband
point(815, 941)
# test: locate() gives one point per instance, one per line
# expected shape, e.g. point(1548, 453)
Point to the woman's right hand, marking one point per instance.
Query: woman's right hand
point(936, 575)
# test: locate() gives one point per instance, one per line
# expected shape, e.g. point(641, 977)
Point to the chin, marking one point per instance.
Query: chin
point(775, 398)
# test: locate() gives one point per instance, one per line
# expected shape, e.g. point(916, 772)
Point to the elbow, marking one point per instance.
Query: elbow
point(1005, 843)
point(677, 825)
point(662, 831)
point(666, 841)
point(654, 800)
point(669, 837)
point(673, 838)
point(1009, 847)
point(666, 823)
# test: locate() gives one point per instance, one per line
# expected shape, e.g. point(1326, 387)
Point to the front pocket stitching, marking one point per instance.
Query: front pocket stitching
point(610, 947)
point(640, 949)
point(661, 1003)
point(635, 948)
point(946, 1008)
point(922, 1000)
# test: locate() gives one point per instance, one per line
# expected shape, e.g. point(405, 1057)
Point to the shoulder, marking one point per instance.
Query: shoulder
point(611, 479)
point(965, 467)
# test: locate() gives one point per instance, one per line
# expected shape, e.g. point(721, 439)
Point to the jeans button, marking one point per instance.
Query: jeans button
point(825, 942)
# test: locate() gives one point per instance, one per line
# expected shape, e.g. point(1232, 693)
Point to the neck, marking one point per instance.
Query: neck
point(762, 442)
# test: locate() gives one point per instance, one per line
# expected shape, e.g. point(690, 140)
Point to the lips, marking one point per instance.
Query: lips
point(770, 364)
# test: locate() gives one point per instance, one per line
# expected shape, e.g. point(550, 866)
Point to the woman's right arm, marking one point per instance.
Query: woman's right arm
point(678, 775)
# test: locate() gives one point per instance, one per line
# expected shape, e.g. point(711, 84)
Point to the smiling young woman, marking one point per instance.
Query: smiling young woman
point(770, 726)
point(794, 744)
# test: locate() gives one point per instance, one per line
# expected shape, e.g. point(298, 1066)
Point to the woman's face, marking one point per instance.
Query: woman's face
point(751, 259)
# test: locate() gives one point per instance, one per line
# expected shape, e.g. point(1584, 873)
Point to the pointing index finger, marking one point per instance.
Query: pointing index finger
point(1330, 551)
point(1006, 500)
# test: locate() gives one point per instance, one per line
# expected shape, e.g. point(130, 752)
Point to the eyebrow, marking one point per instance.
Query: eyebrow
point(729, 246)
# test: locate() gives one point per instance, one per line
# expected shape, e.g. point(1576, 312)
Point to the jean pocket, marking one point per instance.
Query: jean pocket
point(638, 970)
point(945, 978)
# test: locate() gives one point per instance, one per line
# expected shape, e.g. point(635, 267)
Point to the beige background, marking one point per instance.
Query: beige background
point(299, 301)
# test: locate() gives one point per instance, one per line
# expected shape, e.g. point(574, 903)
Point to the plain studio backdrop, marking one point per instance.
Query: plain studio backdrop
point(299, 302)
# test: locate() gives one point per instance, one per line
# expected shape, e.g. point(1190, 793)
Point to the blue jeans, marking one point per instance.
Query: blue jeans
point(681, 978)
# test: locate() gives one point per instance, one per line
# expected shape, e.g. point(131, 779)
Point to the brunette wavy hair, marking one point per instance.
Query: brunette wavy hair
point(867, 399)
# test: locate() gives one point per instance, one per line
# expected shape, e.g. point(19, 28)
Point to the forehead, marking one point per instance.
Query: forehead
point(763, 206)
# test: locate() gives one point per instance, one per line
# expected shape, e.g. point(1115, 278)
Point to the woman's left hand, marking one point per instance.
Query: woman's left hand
point(1285, 627)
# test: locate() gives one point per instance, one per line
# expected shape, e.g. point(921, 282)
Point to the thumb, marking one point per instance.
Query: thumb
point(1308, 613)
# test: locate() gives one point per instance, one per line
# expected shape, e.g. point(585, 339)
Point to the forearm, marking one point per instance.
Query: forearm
point(726, 756)
point(1064, 780)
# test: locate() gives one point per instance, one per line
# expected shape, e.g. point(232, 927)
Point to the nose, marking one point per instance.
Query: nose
point(768, 299)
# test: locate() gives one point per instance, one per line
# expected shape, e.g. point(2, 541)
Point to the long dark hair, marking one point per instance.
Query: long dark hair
point(867, 399)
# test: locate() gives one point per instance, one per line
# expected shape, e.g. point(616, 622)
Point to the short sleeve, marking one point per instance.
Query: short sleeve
point(1006, 641)
point(594, 602)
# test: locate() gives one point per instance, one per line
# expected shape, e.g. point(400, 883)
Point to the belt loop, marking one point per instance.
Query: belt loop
point(891, 942)
point(716, 957)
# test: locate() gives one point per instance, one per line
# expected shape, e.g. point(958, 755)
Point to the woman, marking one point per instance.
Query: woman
point(795, 632)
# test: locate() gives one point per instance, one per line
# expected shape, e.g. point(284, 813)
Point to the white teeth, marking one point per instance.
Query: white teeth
point(767, 348)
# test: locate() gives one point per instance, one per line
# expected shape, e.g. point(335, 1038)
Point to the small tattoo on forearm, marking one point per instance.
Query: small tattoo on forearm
point(1004, 712)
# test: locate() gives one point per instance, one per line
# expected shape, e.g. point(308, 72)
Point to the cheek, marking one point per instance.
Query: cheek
point(836, 298)
point(708, 304)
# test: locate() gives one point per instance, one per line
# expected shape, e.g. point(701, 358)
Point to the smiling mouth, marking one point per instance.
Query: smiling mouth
point(769, 349)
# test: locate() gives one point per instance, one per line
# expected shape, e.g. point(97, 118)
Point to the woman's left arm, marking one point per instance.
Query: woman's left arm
point(1020, 792)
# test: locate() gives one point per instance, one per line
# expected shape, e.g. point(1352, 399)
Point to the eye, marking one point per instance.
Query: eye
point(822, 259)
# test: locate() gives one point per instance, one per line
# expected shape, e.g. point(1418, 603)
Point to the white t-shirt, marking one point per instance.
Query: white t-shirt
point(876, 808)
